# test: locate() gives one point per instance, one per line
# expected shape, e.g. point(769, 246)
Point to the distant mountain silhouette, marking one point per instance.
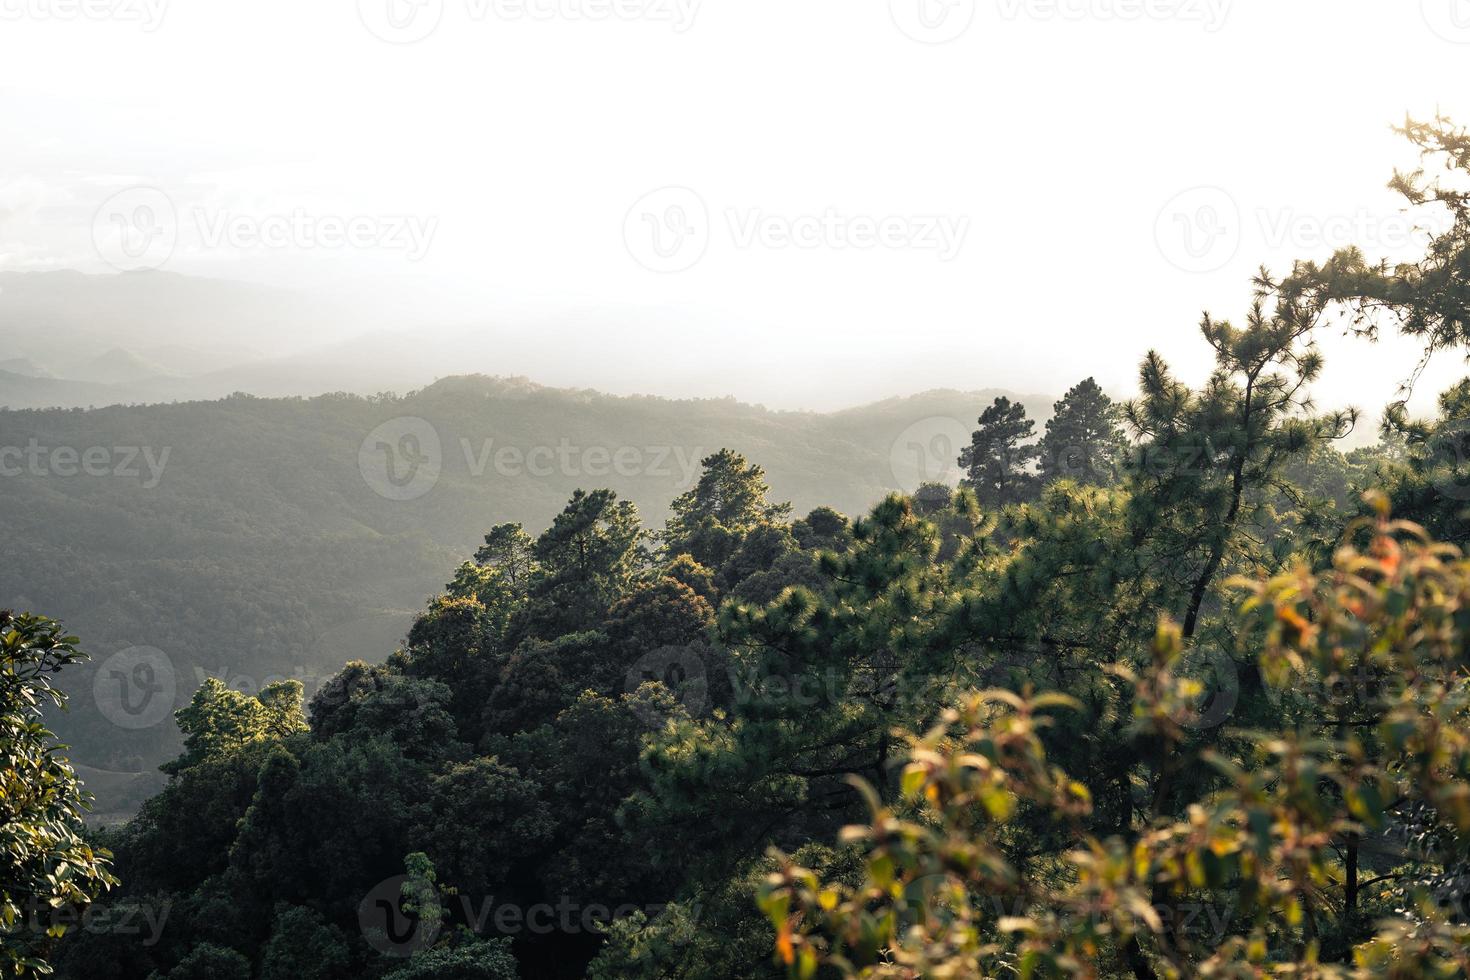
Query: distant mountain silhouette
point(255, 538)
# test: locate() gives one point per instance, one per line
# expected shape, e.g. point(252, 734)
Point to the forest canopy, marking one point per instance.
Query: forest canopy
point(1168, 687)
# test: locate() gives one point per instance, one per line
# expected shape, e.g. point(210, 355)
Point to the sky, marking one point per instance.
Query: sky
point(804, 203)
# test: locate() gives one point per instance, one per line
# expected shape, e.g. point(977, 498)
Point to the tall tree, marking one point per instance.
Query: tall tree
point(999, 458)
point(951, 887)
point(509, 550)
point(1427, 298)
point(220, 720)
point(1084, 440)
point(46, 866)
point(710, 520)
point(585, 562)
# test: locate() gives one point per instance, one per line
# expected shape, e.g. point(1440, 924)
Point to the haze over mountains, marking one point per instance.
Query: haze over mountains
point(252, 538)
point(73, 340)
point(76, 340)
point(247, 536)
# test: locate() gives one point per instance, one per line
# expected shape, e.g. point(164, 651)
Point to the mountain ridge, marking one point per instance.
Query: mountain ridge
point(256, 537)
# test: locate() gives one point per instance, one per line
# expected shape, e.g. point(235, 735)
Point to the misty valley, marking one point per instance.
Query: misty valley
point(666, 490)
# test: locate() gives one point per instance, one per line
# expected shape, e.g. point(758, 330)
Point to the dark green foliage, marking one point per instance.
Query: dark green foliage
point(1427, 298)
point(998, 462)
point(584, 561)
point(219, 722)
point(209, 962)
point(263, 554)
point(1084, 438)
point(303, 946)
point(509, 551)
point(477, 819)
point(822, 530)
point(699, 579)
point(46, 864)
point(607, 718)
point(727, 503)
point(474, 961)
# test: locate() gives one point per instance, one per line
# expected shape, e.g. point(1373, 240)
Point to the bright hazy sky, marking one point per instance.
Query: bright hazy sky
point(999, 209)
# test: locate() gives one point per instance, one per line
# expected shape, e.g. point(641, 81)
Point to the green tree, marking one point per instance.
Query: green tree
point(1207, 450)
point(477, 820)
point(1427, 298)
point(210, 962)
point(586, 560)
point(302, 946)
point(998, 461)
point(219, 720)
point(728, 502)
point(947, 892)
point(486, 960)
point(1084, 439)
point(509, 550)
point(46, 864)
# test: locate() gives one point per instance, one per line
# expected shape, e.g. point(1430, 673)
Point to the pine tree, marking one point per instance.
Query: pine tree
point(729, 501)
point(999, 457)
point(1084, 440)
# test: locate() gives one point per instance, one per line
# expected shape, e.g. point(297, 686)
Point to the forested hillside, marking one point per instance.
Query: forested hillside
point(243, 539)
point(1164, 687)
